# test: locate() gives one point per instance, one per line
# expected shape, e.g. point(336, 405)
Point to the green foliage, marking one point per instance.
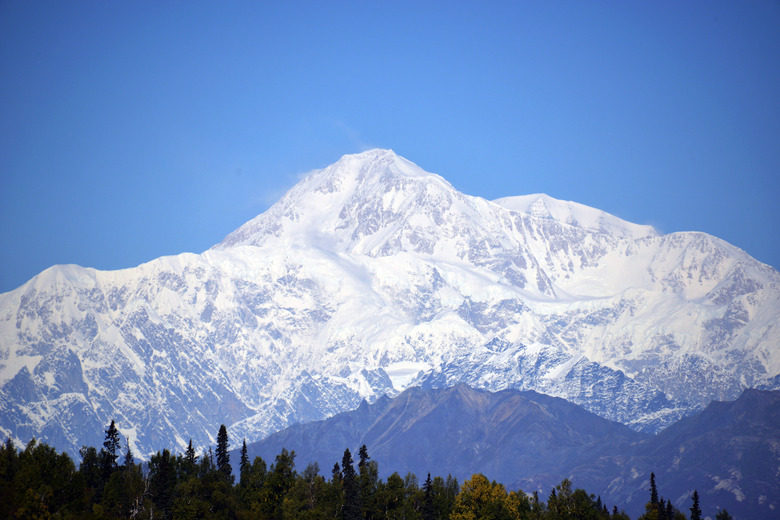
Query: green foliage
point(37, 482)
point(280, 479)
point(352, 507)
point(428, 512)
point(223, 454)
point(110, 450)
point(252, 492)
point(390, 497)
point(162, 481)
point(659, 509)
point(9, 462)
point(695, 509)
point(304, 500)
point(244, 462)
point(123, 495)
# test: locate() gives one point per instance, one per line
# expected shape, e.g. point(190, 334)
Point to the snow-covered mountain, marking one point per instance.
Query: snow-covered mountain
point(372, 275)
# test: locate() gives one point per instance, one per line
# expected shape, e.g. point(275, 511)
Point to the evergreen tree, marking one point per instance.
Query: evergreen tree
point(90, 469)
point(363, 456)
point(662, 510)
point(369, 478)
point(162, 481)
point(428, 512)
point(390, 496)
point(281, 479)
point(352, 508)
point(444, 495)
point(653, 490)
point(253, 485)
point(655, 509)
point(723, 515)
point(110, 451)
point(695, 510)
point(189, 454)
point(9, 461)
point(129, 461)
point(244, 463)
point(332, 497)
point(670, 510)
point(189, 463)
point(223, 455)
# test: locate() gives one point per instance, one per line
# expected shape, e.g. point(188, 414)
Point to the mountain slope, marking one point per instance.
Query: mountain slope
point(729, 452)
point(531, 442)
point(372, 275)
point(459, 431)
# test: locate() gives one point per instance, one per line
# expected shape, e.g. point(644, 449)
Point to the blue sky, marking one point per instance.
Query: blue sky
point(132, 130)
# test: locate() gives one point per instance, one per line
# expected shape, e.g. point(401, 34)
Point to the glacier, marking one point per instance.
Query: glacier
point(373, 275)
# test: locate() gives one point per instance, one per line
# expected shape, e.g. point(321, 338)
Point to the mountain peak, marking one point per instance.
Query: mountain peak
point(366, 190)
point(365, 199)
point(371, 275)
point(377, 160)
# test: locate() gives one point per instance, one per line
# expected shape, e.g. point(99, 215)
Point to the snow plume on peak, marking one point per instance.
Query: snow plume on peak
point(378, 203)
point(363, 195)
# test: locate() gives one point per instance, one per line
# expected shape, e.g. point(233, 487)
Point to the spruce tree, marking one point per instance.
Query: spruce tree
point(111, 446)
point(189, 454)
point(695, 510)
point(653, 490)
point(189, 462)
point(352, 508)
point(369, 479)
point(129, 461)
point(662, 515)
point(669, 510)
point(428, 512)
point(363, 455)
point(223, 455)
point(244, 463)
point(162, 481)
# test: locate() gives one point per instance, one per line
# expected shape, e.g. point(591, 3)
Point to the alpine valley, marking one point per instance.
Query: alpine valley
point(371, 276)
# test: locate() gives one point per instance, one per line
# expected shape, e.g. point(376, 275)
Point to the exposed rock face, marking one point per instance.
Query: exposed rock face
point(372, 275)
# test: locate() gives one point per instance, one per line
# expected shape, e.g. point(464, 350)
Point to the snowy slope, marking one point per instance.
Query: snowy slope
point(369, 276)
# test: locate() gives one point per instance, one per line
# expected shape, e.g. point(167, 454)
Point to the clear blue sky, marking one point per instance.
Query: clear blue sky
point(132, 130)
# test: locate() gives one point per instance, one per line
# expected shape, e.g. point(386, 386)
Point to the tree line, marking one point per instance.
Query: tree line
point(37, 482)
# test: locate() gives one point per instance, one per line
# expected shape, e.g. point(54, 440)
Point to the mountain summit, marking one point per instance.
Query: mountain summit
point(370, 276)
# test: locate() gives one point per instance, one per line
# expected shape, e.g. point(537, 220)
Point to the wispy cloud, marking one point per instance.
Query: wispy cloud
point(353, 136)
